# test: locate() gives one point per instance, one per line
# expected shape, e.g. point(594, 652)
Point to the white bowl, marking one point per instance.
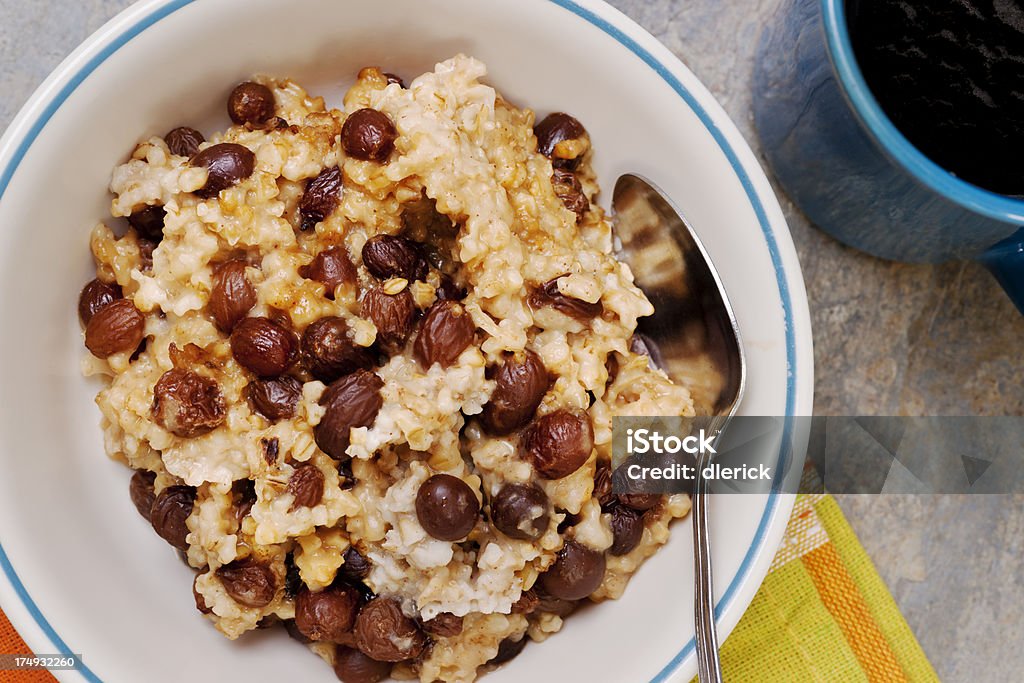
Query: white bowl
point(81, 572)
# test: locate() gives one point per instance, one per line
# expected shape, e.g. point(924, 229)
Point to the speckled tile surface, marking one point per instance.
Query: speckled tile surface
point(889, 339)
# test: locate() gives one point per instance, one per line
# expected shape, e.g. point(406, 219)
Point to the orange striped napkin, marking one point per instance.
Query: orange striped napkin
point(823, 613)
point(11, 643)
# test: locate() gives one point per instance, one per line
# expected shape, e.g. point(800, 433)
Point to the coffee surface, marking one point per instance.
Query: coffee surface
point(950, 75)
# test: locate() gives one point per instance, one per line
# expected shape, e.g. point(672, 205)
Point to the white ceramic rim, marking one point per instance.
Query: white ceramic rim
point(51, 94)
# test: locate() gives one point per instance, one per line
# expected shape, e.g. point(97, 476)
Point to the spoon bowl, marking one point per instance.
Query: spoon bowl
point(693, 331)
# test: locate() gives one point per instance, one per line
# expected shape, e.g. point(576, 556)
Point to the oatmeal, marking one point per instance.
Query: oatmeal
point(364, 363)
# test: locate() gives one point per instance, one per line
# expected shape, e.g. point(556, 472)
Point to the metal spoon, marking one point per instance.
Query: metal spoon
point(695, 337)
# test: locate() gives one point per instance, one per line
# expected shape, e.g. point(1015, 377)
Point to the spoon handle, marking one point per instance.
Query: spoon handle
point(709, 669)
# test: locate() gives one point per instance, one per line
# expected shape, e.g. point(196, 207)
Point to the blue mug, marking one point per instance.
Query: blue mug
point(852, 172)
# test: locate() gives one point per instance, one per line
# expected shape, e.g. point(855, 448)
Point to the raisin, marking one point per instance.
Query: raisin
point(559, 443)
point(392, 314)
point(187, 404)
point(548, 295)
point(352, 666)
point(307, 485)
point(328, 353)
point(332, 267)
point(576, 573)
point(520, 384)
point(384, 633)
point(328, 615)
point(627, 529)
point(568, 188)
point(444, 625)
point(171, 509)
point(446, 332)
point(184, 141)
point(369, 135)
point(114, 328)
point(232, 295)
point(388, 256)
point(521, 511)
point(352, 401)
point(96, 295)
point(446, 507)
point(560, 137)
point(275, 398)
point(248, 582)
point(227, 164)
point(251, 103)
point(320, 198)
point(264, 346)
point(149, 222)
point(142, 494)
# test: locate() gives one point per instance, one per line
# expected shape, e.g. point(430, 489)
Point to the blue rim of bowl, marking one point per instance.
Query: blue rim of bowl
point(666, 74)
point(891, 141)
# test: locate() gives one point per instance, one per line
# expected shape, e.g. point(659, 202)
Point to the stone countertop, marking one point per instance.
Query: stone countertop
point(890, 339)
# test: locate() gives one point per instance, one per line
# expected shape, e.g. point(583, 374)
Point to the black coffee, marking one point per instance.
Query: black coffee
point(950, 75)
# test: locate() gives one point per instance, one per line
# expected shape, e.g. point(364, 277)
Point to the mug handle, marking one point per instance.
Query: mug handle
point(1006, 262)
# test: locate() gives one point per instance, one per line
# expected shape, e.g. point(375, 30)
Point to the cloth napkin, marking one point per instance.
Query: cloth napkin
point(11, 643)
point(822, 614)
